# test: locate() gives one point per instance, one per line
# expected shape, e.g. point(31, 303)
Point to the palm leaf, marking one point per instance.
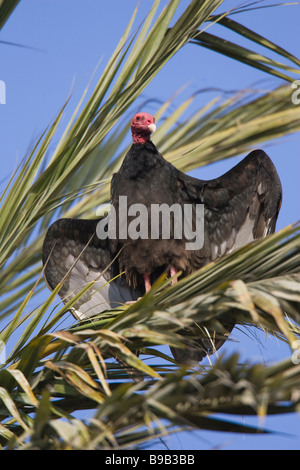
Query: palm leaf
point(6, 9)
point(53, 373)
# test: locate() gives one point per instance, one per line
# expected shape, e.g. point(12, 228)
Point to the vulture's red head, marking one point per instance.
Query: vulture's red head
point(142, 126)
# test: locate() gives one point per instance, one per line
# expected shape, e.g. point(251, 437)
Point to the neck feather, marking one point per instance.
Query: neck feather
point(141, 137)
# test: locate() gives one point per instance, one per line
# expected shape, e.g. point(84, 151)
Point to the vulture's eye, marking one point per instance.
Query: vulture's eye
point(138, 118)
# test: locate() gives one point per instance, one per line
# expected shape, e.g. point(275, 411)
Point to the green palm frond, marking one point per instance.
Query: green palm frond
point(6, 9)
point(53, 373)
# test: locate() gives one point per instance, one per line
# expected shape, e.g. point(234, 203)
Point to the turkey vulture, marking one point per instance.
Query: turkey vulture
point(240, 206)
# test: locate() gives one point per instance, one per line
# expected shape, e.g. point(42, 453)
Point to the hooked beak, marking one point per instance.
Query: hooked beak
point(152, 128)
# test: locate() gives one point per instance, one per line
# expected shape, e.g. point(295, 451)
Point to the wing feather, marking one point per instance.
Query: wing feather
point(239, 207)
point(75, 256)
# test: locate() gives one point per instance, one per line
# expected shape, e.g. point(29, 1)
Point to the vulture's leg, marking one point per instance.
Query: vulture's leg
point(147, 282)
point(173, 272)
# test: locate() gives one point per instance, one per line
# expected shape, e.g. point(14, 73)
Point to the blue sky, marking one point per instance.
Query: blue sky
point(67, 39)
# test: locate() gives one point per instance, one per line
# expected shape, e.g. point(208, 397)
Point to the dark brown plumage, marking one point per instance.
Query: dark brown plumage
point(239, 207)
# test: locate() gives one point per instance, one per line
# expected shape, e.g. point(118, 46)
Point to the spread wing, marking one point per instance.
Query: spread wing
point(75, 256)
point(240, 206)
